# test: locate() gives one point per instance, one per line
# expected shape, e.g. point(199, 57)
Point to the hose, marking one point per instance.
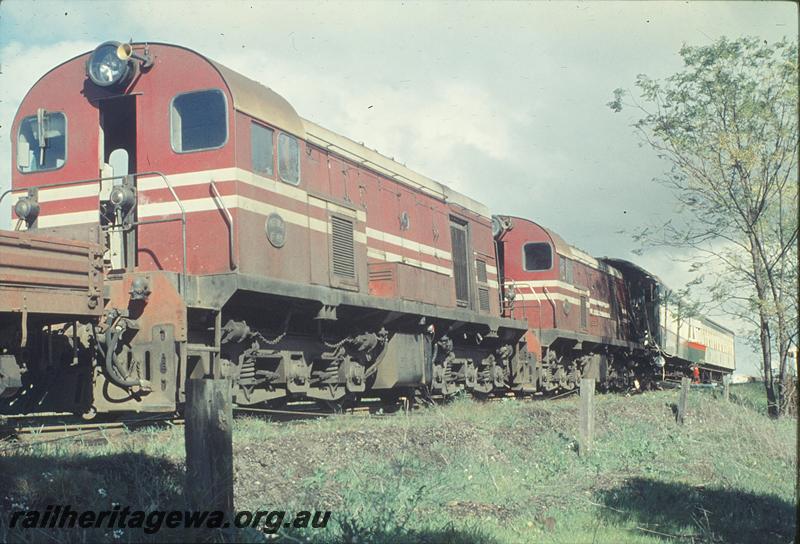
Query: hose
point(113, 373)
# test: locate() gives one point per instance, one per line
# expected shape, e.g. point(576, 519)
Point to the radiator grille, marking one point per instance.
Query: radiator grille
point(481, 268)
point(584, 313)
point(459, 238)
point(344, 262)
point(483, 298)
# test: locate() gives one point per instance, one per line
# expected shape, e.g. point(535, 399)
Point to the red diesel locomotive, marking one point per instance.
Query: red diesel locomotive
point(175, 219)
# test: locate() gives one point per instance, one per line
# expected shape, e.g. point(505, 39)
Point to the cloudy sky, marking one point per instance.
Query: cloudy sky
point(502, 101)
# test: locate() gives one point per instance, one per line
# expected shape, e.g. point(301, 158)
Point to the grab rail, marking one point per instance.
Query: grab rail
point(229, 221)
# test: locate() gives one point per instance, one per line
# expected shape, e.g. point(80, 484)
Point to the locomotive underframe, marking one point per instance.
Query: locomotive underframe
point(330, 345)
point(279, 341)
point(276, 340)
point(614, 364)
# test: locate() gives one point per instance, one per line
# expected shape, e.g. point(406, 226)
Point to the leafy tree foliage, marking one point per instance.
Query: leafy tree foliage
point(727, 123)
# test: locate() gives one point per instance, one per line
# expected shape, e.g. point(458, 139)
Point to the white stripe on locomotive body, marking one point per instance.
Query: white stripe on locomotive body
point(65, 219)
point(408, 244)
point(537, 287)
point(54, 194)
point(542, 297)
point(155, 209)
point(170, 207)
point(394, 258)
point(159, 209)
point(533, 284)
point(599, 313)
point(719, 344)
point(153, 183)
point(552, 284)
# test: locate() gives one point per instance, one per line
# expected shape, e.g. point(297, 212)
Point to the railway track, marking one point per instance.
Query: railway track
point(55, 427)
point(15, 436)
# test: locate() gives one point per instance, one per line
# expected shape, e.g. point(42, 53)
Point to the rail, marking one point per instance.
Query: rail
point(182, 282)
point(229, 221)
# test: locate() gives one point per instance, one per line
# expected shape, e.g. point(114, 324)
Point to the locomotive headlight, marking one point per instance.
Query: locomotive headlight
point(122, 197)
point(106, 67)
point(26, 209)
point(497, 226)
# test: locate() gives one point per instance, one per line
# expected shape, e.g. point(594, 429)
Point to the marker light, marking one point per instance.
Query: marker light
point(26, 209)
point(106, 67)
point(122, 197)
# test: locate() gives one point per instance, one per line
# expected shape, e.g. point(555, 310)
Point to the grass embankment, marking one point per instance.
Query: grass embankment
point(465, 472)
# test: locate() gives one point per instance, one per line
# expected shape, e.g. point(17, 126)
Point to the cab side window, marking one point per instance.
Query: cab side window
point(42, 142)
point(565, 269)
point(199, 121)
point(289, 159)
point(261, 148)
point(537, 256)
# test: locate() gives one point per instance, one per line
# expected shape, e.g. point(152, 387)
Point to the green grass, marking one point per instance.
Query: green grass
point(752, 395)
point(465, 472)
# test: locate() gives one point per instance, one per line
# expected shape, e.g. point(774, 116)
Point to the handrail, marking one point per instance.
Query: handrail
point(182, 283)
point(553, 304)
point(539, 304)
point(182, 287)
point(229, 221)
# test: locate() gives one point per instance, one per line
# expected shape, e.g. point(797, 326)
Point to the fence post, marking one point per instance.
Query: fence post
point(726, 384)
point(685, 382)
point(586, 416)
point(209, 445)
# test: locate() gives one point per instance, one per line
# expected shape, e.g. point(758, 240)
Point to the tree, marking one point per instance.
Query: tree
point(727, 123)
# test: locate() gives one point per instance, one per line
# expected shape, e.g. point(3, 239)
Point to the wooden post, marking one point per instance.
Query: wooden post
point(685, 382)
point(586, 416)
point(209, 445)
point(726, 384)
